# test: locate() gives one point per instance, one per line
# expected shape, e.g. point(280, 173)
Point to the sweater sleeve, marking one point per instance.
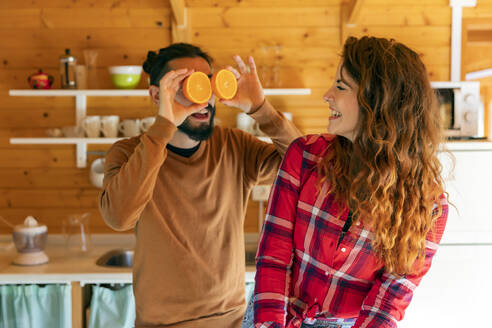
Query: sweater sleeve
point(130, 174)
point(274, 256)
point(263, 159)
point(389, 296)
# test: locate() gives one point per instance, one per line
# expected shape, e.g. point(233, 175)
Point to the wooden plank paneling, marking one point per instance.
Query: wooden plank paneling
point(111, 4)
point(271, 54)
point(43, 58)
point(264, 17)
point(255, 37)
point(398, 15)
point(44, 178)
point(261, 3)
point(477, 57)
point(27, 156)
point(412, 36)
point(55, 18)
point(146, 38)
point(48, 198)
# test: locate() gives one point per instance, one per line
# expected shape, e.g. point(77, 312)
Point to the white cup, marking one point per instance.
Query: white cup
point(72, 131)
point(97, 172)
point(110, 126)
point(130, 128)
point(92, 126)
point(146, 123)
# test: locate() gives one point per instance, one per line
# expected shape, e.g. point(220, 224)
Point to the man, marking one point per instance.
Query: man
point(184, 185)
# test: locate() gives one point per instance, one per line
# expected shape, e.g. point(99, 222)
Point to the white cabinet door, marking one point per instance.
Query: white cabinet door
point(456, 292)
point(469, 187)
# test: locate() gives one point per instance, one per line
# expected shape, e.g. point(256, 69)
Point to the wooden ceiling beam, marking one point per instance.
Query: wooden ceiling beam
point(179, 11)
point(354, 12)
point(349, 15)
point(180, 25)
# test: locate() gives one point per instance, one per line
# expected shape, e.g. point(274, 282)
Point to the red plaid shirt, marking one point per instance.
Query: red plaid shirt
point(301, 274)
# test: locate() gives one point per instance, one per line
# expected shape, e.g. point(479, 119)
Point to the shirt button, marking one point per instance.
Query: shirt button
point(343, 249)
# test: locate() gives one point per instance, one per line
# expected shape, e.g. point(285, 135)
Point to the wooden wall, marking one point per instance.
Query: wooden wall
point(295, 44)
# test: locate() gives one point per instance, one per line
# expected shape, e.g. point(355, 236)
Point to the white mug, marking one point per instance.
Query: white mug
point(92, 126)
point(97, 172)
point(130, 128)
point(110, 126)
point(146, 123)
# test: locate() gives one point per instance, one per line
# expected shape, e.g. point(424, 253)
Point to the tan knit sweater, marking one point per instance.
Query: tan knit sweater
point(188, 215)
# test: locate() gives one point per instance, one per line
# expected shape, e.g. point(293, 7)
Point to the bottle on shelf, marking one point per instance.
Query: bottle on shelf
point(67, 70)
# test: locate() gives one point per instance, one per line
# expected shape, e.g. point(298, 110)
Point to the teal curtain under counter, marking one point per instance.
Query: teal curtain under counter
point(35, 306)
point(116, 308)
point(112, 308)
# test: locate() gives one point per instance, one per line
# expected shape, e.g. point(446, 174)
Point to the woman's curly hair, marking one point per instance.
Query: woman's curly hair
point(390, 175)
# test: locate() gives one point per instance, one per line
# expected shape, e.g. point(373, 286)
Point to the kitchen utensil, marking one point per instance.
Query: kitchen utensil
point(125, 77)
point(67, 70)
point(76, 230)
point(97, 172)
point(40, 80)
point(30, 239)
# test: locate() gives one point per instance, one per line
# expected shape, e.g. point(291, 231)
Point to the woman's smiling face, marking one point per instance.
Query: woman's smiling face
point(344, 107)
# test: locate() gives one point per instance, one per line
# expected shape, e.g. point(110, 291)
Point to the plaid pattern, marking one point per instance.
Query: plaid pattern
point(301, 274)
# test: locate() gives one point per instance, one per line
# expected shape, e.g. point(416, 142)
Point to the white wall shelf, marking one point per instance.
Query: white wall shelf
point(81, 112)
point(81, 95)
point(80, 145)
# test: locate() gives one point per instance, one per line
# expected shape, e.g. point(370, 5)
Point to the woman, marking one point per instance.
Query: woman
point(355, 218)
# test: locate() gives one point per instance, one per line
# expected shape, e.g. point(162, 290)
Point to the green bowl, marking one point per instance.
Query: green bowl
point(125, 77)
point(125, 81)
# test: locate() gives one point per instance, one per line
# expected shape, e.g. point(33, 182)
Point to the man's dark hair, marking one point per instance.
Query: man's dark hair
point(156, 64)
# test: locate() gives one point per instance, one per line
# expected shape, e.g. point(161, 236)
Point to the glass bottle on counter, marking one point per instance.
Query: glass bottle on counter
point(67, 70)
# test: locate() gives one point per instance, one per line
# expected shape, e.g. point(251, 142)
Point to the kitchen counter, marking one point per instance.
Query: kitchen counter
point(66, 267)
point(464, 145)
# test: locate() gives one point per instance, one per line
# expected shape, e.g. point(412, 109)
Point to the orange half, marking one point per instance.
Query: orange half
point(196, 88)
point(224, 84)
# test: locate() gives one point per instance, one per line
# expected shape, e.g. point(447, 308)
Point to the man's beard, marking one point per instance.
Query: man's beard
point(202, 131)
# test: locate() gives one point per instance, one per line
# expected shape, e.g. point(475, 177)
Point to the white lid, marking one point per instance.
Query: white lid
point(30, 225)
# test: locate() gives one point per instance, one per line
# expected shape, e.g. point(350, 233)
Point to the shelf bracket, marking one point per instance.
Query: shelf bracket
point(80, 108)
point(456, 32)
point(81, 149)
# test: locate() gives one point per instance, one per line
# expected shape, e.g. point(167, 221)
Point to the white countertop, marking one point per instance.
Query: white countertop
point(66, 267)
point(466, 145)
